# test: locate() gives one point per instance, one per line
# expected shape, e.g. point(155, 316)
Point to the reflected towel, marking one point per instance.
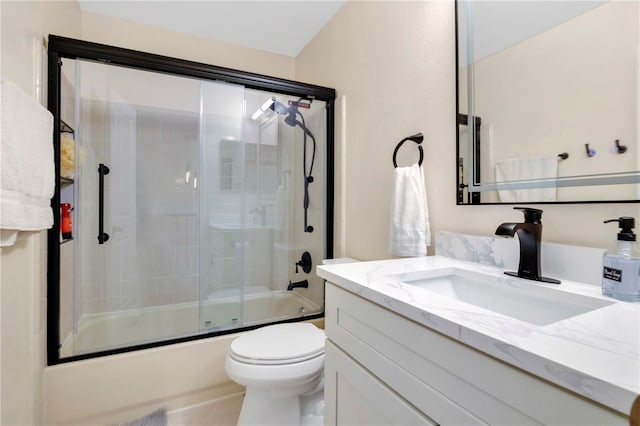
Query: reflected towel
point(26, 161)
point(409, 231)
point(514, 169)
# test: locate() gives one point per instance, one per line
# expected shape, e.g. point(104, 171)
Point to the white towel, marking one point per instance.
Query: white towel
point(409, 231)
point(26, 162)
point(514, 169)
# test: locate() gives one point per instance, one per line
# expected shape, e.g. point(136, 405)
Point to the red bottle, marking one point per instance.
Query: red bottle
point(65, 224)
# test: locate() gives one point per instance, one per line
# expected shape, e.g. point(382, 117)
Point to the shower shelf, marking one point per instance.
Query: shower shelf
point(65, 128)
point(68, 194)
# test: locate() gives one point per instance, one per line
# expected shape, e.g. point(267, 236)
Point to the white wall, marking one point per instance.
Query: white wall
point(23, 266)
point(147, 38)
point(395, 63)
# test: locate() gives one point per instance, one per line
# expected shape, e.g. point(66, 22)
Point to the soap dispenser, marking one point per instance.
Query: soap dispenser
point(621, 268)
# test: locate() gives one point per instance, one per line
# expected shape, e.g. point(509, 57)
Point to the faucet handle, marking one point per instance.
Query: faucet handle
point(531, 215)
point(305, 262)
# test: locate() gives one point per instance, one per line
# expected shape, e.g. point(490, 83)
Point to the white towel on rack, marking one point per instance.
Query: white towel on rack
point(26, 163)
point(514, 169)
point(409, 231)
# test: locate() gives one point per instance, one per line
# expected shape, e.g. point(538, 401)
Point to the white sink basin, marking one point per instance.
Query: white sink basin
point(529, 302)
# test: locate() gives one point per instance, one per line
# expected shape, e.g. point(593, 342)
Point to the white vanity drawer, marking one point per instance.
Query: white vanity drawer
point(450, 382)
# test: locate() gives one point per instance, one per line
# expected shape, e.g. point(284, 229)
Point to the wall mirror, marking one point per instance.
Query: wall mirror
point(548, 98)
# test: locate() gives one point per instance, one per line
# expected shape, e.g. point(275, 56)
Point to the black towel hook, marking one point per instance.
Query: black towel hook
point(590, 151)
point(620, 149)
point(417, 138)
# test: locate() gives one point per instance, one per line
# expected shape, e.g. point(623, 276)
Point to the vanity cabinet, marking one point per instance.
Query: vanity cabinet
point(382, 368)
point(361, 398)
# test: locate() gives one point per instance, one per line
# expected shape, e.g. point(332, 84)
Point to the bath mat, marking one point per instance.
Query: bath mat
point(157, 418)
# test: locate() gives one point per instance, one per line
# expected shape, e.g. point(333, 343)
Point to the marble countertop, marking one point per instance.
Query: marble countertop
point(594, 354)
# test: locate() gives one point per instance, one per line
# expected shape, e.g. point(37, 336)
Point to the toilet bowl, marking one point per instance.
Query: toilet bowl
point(281, 367)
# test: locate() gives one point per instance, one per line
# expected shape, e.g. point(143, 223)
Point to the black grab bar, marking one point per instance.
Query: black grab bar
point(103, 237)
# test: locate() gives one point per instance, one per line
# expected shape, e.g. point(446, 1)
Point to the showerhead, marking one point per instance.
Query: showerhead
point(280, 108)
point(291, 119)
point(290, 112)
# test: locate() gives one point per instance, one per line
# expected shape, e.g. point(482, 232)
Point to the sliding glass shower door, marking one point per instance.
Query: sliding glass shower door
point(222, 245)
point(201, 200)
point(142, 204)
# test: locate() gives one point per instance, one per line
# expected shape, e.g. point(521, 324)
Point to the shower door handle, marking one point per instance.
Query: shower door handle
point(103, 237)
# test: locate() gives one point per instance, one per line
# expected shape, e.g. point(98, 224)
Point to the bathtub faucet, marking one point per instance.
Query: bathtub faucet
point(303, 284)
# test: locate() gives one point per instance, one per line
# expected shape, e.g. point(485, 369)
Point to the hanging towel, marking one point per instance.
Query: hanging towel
point(409, 231)
point(26, 163)
point(527, 168)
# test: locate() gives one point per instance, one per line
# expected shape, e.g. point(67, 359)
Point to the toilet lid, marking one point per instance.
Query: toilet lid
point(279, 344)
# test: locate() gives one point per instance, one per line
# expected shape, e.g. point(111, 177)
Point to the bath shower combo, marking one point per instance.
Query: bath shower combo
point(189, 172)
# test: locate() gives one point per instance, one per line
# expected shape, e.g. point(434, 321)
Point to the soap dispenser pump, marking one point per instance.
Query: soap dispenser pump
point(621, 268)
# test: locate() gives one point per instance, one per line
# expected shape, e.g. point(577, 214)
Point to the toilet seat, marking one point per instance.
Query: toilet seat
point(279, 344)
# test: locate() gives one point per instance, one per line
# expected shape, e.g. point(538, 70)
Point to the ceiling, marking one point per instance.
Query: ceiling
point(282, 27)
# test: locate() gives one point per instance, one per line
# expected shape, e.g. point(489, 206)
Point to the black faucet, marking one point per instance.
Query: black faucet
point(302, 284)
point(529, 234)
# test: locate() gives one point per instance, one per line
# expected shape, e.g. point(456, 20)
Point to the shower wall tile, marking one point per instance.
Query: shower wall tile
point(113, 291)
point(92, 306)
point(131, 295)
point(165, 298)
point(187, 290)
point(147, 293)
point(193, 253)
point(166, 285)
point(112, 304)
point(129, 262)
point(185, 264)
point(92, 291)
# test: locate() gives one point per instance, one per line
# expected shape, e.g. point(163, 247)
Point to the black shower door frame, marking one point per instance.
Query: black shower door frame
point(63, 47)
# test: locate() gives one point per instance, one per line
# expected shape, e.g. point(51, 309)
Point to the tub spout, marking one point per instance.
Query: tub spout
point(299, 284)
point(529, 235)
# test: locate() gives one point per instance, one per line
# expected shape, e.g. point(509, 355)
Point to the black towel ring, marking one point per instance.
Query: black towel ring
point(417, 138)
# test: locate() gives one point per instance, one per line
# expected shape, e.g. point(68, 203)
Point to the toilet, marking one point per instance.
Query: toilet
point(281, 367)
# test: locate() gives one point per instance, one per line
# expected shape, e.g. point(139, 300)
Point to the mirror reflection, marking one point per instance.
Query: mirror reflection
point(548, 96)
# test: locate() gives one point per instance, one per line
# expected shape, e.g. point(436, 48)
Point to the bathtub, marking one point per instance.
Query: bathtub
point(117, 329)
